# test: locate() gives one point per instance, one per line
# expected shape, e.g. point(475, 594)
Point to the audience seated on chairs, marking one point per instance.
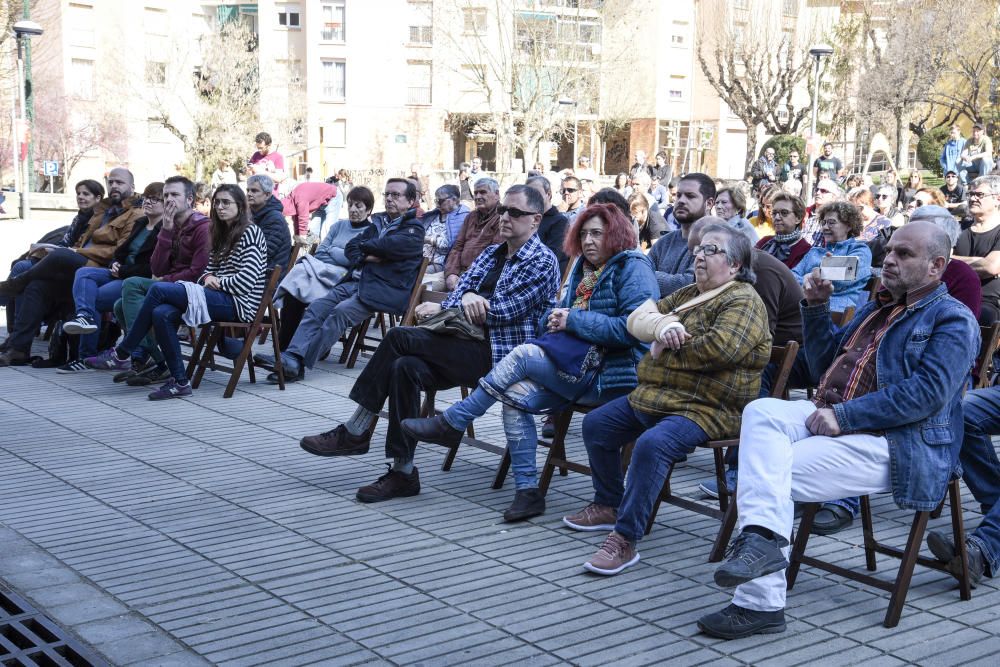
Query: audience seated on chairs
point(552, 231)
point(480, 229)
point(88, 194)
point(710, 344)
point(861, 434)
point(313, 276)
point(384, 261)
point(96, 290)
point(442, 226)
point(230, 290)
point(787, 244)
point(670, 256)
point(181, 253)
point(979, 245)
point(507, 289)
point(50, 281)
point(841, 224)
point(268, 214)
point(609, 281)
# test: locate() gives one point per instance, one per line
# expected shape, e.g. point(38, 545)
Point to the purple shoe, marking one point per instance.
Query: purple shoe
point(171, 389)
point(108, 361)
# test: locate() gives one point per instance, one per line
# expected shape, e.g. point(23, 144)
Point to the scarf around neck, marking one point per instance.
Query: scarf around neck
point(780, 245)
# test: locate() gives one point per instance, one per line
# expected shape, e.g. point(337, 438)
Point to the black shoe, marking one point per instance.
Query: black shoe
point(338, 442)
point(12, 286)
point(151, 375)
point(751, 556)
point(293, 370)
point(944, 549)
point(14, 358)
point(264, 361)
point(137, 367)
point(831, 519)
point(548, 427)
point(736, 622)
point(432, 429)
point(527, 503)
point(393, 484)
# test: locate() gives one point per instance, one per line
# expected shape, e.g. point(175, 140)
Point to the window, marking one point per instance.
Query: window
point(288, 16)
point(338, 134)
point(334, 80)
point(81, 22)
point(421, 26)
point(156, 73)
point(83, 78)
point(418, 77)
point(474, 20)
point(333, 21)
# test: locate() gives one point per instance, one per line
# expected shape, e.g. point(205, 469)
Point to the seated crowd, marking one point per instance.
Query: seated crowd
point(662, 334)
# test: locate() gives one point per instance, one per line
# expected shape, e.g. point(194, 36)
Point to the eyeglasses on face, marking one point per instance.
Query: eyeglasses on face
point(707, 250)
point(883, 196)
point(514, 212)
point(782, 212)
point(442, 201)
point(569, 191)
point(223, 203)
point(393, 195)
point(980, 195)
point(596, 234)
point(152, 200)
point(824, 191)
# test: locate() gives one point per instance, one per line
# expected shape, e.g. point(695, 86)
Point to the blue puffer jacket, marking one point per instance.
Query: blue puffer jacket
point(626, 282)
point(923, 362)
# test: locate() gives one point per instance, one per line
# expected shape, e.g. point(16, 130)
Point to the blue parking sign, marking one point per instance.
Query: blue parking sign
point(50, 168)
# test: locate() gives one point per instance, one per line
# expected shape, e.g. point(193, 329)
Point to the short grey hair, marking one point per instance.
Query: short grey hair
point(544, 181)
point(491, 183)
point(992, 182)
point(941, 218)
point(738, 250)
point(448, 191)
point(266, 182)
point(891, 190)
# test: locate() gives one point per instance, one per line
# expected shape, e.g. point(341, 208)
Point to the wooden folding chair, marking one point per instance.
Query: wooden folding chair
point(989, 337)
point(872, 287)
point(203, 356)
point(909, 555)
point(840, 319)
point(359, 341)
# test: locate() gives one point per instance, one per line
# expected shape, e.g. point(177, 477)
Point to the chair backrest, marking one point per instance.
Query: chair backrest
point(293, 256)
point(989, 337)
point(783, 357)
point(872, 287)
point(840, 319)
point(418, 287)
point(269, 290)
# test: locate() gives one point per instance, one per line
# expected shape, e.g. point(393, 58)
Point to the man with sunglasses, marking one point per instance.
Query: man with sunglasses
point(979, 245)
point(506, 290)
point(954, 193)
point(572, 194)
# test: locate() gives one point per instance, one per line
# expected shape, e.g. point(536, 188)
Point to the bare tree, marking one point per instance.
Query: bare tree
point(755, 61)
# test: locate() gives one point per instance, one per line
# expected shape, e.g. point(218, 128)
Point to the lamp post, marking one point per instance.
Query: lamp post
point(576, 129)
point(23, 31)
point(818, 52)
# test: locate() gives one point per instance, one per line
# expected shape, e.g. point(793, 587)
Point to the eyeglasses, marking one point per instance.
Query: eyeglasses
point(223, 203)
point(514, 212)
point(441, 202)
point(782, 212)
point(829, 222)
point(980, 195)
point(707, 250)
point(393, 195)
point(595, 234)
point(152, 200)
point(569, 191)
point(883, 196)
point(824, 191)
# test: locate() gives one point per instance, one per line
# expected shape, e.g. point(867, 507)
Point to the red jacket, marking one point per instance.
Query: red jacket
point(304, 199)
point(182, 253)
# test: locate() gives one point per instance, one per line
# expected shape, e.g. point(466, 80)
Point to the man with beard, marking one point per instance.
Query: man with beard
point(50, 281)
point(670, 256)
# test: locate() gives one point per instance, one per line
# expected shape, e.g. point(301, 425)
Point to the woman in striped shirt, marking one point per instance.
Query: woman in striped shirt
point(233, 285)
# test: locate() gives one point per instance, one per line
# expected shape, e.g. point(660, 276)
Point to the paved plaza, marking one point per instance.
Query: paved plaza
point(196, 531)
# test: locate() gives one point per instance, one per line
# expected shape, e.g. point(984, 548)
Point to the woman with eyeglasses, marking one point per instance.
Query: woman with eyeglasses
point(231, 287)
point(840, 222)
point(608, 281)
point(872, 222)
point(761, 221)
point(787, 244)
point(885, 203)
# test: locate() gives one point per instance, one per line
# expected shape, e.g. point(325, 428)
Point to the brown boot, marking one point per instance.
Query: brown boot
point(14, 358)
point(393, 484)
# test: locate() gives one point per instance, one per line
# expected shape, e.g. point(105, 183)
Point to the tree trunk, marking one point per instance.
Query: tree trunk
point(902, 140)
point(751, 147)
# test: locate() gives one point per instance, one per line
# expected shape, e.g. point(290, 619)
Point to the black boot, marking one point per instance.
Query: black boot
point(13, 286)
point(433, 429)
point(527, 503)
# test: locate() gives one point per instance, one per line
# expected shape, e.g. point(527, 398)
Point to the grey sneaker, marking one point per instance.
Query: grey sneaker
point(751, 556)
point(108, 361)
point(137, 367)
point(735, 622)
point(74, 367)
point(593, 517)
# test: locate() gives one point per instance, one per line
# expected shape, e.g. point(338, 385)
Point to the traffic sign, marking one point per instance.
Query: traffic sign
point(50, 168)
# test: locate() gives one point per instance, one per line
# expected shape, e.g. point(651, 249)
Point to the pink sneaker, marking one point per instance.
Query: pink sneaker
point(615, 555)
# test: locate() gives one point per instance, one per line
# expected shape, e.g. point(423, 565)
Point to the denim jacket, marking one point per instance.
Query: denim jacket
point(922, 364)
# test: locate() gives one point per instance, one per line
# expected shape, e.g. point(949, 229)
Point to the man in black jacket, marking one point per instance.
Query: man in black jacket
point(385, 259)
point(269, 215)
point(552, 230)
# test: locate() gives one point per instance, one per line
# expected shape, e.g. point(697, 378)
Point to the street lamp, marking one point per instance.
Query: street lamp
point(576, 120)
point(818, 52)
point(24, 30)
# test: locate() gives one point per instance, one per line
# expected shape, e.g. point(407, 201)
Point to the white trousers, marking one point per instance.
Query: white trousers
point(781, 463)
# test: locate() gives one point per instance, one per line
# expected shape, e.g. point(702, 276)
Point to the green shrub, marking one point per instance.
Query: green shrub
point(783, 144)
point(929, 149)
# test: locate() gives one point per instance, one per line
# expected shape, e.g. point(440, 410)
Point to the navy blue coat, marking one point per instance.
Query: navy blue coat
point(271, 220)
point(386, 285)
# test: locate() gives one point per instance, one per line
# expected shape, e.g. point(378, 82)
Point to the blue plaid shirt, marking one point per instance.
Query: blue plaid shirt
point(526, 289)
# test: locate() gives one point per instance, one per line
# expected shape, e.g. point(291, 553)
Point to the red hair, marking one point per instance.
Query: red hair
point(619, 233)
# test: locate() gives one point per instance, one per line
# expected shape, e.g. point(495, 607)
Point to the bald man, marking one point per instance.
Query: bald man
point(48, 284)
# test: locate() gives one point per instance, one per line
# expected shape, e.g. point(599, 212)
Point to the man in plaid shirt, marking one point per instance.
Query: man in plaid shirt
point(506, 290)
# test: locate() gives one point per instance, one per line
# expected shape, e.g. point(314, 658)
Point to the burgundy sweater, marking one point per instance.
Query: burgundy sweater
point(182, 253)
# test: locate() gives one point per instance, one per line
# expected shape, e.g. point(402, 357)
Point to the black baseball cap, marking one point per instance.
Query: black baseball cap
point(951, 172)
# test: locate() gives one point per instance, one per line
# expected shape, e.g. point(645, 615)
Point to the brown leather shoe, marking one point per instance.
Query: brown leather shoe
point(393, 484)
point(14, 358)
point(338, 442)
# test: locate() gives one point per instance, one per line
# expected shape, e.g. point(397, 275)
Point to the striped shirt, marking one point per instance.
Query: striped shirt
point(242, 274)
point(854, 373)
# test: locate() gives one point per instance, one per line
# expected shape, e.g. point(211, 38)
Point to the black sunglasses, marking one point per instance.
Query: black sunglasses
point(514, 212)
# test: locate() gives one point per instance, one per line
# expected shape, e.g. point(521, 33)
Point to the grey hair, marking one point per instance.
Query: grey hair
point(891, 189)
point(992, 182)
point(531, 195)
point(266, 182)
point(738, 250)
point(941, 218)
point(448, 191)
point(488, 182)
point(544, 181)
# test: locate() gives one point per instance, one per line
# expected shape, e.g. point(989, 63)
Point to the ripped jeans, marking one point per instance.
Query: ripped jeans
point(527, 377)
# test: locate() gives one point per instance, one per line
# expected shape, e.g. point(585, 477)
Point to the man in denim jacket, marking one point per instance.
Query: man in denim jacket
point(887, 416)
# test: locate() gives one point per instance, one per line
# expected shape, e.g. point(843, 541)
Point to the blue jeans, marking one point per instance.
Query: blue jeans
point(161, 311)
point(659, 443)
point(981, 468)
point(528, 377)
point(325, 320)
point(94, 292)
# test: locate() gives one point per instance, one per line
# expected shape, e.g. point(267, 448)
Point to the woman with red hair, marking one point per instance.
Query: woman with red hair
point(583, 353)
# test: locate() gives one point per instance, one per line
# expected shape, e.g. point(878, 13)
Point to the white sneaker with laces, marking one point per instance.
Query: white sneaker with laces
point(74, 367)
point(79, 325)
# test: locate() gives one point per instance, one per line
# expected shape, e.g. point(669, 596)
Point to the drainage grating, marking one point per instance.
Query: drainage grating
point(30, 639)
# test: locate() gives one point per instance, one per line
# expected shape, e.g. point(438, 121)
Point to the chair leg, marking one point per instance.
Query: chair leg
point(470, 430)
point(902, 584)
point(240, 361)
point(199, 345)
point(450, 458)
point(936, 514)
point(867, 529)
point(427, 408)
point(664, 492)
point(557, 449)
point(720, 479)
point(502, 470)
point(958, 535)
point(279, 368)
point(359, 343)
point(799, 544)
point(207, 358)
point(725, 533)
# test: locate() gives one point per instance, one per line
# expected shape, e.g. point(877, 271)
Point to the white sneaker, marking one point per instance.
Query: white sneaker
point(74, 367)
point(79, 325)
